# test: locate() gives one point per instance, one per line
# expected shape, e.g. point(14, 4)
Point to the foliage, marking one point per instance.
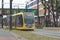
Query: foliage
point(39, 26)
point(58, 9)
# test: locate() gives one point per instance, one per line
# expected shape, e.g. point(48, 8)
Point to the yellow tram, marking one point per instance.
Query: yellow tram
point(25, 21)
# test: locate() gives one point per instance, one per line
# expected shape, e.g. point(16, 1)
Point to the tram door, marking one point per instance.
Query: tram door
point(13, 21)
point(19, 21)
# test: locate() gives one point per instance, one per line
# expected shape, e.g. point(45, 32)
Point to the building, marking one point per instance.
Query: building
point(33, 5)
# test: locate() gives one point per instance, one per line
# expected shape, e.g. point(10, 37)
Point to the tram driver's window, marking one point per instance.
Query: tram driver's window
point(20, 20)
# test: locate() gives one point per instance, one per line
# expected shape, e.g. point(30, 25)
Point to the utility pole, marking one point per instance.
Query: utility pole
point(2, 13)
point(11, 14)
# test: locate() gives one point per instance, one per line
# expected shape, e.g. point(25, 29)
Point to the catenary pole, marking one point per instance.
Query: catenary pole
point(11, 14)
point(2, 13)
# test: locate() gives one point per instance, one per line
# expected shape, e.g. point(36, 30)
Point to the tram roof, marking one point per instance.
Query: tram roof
point(17, 14)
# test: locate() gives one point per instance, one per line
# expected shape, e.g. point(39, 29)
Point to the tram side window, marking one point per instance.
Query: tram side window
point(20, 18)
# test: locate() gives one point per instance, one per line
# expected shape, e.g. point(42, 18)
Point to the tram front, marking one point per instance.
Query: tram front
point(29, 20)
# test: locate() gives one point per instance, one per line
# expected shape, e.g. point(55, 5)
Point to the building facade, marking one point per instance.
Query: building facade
point(33, 5)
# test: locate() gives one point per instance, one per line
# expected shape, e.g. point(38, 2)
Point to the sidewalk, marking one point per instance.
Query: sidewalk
point(6, 35)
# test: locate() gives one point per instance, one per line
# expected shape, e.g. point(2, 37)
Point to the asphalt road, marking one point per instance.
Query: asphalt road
point(6, 35)
point(50, 33)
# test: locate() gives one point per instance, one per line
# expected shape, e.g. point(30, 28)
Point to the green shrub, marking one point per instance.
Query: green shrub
point(39, 26)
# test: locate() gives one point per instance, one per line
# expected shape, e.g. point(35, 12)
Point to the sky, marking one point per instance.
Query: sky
point(16, 3)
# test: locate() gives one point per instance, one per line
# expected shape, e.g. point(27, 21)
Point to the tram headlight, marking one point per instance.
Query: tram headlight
point(29, 25)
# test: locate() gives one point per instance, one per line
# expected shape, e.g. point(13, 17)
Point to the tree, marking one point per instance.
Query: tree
point(47, 5)
point(57, 11)
point(52, 5)
point(55, 5)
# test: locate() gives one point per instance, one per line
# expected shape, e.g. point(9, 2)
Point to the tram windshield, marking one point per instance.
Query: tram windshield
point(29, 18)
